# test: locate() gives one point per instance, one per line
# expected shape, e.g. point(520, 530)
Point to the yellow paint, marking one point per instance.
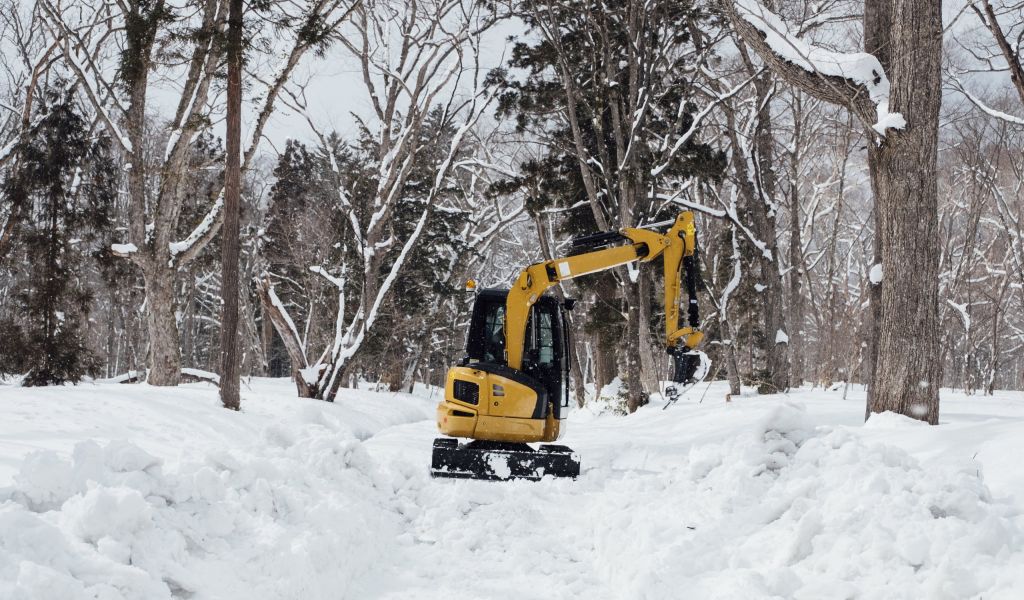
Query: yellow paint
point(503, 418)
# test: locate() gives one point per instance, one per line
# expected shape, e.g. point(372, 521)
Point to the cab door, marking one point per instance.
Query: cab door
point(545, 358)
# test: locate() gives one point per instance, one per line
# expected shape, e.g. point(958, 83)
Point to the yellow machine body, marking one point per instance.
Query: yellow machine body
point(504, 410)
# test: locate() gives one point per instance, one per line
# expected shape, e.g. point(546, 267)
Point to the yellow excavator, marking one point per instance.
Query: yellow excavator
point(512, 387)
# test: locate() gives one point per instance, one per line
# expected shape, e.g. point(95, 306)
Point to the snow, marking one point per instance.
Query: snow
point(875, 274)
point(781, 337)
point(961, 309)
point(132, 491)
point(7, 149)
point(123, 248)
point(204, 226)
point(201, 374)
point(859, 67)
point(987, 109)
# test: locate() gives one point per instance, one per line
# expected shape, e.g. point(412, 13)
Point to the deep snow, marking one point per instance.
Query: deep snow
point(129, 491)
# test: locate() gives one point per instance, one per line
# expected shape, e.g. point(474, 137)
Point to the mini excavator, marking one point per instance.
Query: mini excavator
point(512, 387)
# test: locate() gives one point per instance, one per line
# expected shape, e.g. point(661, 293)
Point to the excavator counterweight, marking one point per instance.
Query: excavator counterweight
point(512, 387)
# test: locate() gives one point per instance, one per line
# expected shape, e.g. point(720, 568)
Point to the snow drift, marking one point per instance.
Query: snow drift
point(753, 499)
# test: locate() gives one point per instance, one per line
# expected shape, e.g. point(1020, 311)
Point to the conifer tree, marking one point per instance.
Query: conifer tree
point(67, 180)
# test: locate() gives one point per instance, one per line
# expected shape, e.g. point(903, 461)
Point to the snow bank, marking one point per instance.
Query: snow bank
point(114, 530)
point(787, 510)
point(760, 497)
point(299, 514)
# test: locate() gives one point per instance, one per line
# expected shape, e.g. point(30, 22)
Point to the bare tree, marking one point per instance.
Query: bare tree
point(92, 38)
point(412, 57)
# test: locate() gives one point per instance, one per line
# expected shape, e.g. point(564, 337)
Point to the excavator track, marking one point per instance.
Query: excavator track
point(501, 461)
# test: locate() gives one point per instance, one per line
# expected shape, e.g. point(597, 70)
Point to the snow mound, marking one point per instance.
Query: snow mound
point(891, 420)
point(786, 510)
point(611, 400)
point(110, 523)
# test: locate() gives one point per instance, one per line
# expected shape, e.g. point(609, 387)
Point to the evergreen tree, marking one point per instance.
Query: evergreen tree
point(67, 179)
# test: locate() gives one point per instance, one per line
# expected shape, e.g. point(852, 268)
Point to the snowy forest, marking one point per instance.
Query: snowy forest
point(469, 162)
point(856, 170)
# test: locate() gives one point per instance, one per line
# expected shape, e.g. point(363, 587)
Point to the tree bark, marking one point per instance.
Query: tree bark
point(650, 349)
point(634, 380)
point(229, 363)
point(903, 166)
point(162, 325)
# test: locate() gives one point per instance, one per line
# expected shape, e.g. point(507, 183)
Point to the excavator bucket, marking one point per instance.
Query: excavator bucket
point(501, 461)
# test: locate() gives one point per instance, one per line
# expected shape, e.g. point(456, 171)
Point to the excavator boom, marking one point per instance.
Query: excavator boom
point(678, 248)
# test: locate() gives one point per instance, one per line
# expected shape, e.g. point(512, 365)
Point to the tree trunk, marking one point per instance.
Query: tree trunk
point(732, 369)
point(162, 325)
point(292, 344)
point(229, 363)
point(756, 210)
point(907, 373)
point(631, 356)
point(649, 349)
point(763, 209)
point(796, 271)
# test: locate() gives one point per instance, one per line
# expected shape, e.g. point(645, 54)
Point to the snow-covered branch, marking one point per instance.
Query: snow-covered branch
point(855, 80)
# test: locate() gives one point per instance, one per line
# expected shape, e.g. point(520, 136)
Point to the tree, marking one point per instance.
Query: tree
point(140, 40)
point(894, 88)
point(229, 363)
point(66, 183)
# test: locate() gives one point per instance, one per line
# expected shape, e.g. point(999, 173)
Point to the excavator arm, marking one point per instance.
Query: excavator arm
point(677, 247)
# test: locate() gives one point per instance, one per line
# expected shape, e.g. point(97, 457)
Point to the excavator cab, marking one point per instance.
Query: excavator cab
point(545, 355)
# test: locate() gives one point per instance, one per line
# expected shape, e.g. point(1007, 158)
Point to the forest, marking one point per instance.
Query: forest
point(511, 299)
point(839, 244)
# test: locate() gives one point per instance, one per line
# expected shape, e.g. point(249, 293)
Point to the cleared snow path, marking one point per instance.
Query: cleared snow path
point(764, 497)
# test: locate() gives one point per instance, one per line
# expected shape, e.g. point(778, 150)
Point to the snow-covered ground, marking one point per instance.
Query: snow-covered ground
point(128, 491)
